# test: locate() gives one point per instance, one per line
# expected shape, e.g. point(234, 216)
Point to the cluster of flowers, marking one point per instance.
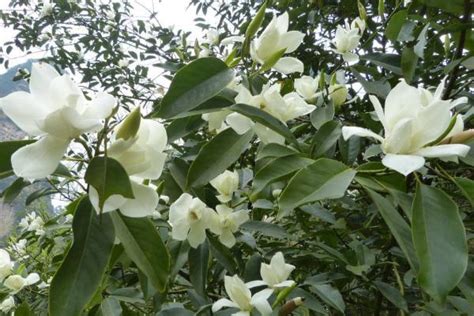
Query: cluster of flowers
point(407, 119)
point(190, 217)
point(32, 223)
point(13, 283)
point(274, 278)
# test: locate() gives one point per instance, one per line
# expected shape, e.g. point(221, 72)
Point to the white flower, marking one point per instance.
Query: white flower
point(6, 265)
point(216, 120)
point(57, 111)
point(347, 39)
point(16, 282)
point(165, 198)
point(7, 304)
point(274, 275)
point(211, 37)
point(47, 9)
point(123, 63)
point(20, 246)
point(241, 298)
point(275, 38)
point(204, 52)
point(307, 87)
point(226, 184)
point(228, 223)
point(413, 119)
point(189, 218)
point(143, 158)
point(32, 223)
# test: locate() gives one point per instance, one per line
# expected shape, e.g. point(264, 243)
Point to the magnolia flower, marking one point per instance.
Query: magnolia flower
point(228, 223)
point(307, 87)
point(123, 63)
point(242, 299)
point(142, 157)
point(284, 108)
point(414, 121)
point(6, 265)
point(347, 39)
point(189, 218)
point(204, 52)
point(226, 184)
point(32, 223)
point(274, 275)
point(211, 37)
point(16, 282)
point(47, 9)
point(7, 304)
point(56, 111)
point(273, 40)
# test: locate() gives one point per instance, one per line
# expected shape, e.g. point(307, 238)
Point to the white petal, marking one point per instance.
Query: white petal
point(40, 159)
point(239, 123)
point(291, 40)
point(101, 106)
point(403, 101)
point(24, 111)
point(378, 109)
point(259, 300)
point(144, 203)
point(350, 58)
point(404, 164)
point(447, 150)
point(227, 238)
point(286, 283)
point(268, 135)
point(288, 65)
point(223, 302)
point(282, 22)
point(196, 236)
point(42, 74)
point(112, 203)
point(255, 283)
point(349, 131)
point(32, 278)
point(232, 40)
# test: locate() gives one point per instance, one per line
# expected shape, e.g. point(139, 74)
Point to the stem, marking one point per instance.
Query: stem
point(458, 54)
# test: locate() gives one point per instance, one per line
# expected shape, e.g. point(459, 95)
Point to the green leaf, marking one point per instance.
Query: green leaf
point(274, 150)
point(452, 6)
point(322, 115)
point(392, 294)
point(398, 227)
point(81, 272)
point(409, 63)
point(380, 88)
point(264, 228)
point(256, 22)
point(183, 126)
point(110, 307)
point(6, 151)
point(330, 296)
point(272, 60)
point(129, 127)
point(108, 177)
point(193, 84)
point(419, 48)
point(439, 238)
point(144, 246)
point(222, 254)
point(216, 156)
point(467, 188)
point(325, 138)
point(390, 62)
point(276, 170)
point(324, 179)
point(198, 259)
point(265, 119)
point(395, 24)
point(13, 190)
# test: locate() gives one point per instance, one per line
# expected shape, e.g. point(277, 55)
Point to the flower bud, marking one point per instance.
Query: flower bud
point(338, 94)
point(129, 127)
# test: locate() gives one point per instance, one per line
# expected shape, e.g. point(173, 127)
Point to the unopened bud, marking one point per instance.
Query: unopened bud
point(338, 94)
point(129, 127)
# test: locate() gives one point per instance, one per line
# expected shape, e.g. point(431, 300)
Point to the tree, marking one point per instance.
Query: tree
point(308, 157)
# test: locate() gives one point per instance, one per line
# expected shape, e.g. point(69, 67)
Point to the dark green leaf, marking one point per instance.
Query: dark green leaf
point(193, 84)
point(409, 63)
point(267, 229)
point(392, 294)
point(198, 259)
point(82, 270)
point(325, 138)
point(467, 188)
point(395, 24)
point(144, 246)
point(439, 238)
point(390, 62)
point(183, 126)
point(108, 177)
point(452, 6)
point(13, 190)
point(330, 296)
point(322, 115)
point(216, 156)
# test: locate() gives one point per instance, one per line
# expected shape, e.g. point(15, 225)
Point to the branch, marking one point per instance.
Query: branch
point(458, 54)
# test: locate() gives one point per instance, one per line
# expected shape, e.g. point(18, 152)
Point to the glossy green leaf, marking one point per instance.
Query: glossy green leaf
point(274, 150)
point(143, 244)
point(193, 84)
point(409, 63)
point(222, 254)
point(398, 227)
point(198, 259)
point(439, 238)
point(322, 115)
point(216, 156)
point(275, 170)
point(13, 190)
point(395, 25)
point(266, 229)
point(6, 151)
point(330, 296)
point(390, 62)
point(324, 179)
point(108, 177)
point(182, 127)
point(82, 270)
point(325, 138)
point(265, 119)
point(392, 294)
